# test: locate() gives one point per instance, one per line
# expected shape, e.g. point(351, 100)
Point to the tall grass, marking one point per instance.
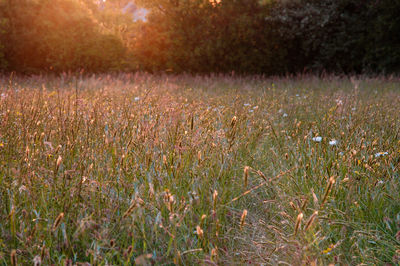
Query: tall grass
point(182, 169)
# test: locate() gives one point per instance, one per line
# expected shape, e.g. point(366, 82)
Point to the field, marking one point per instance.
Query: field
point(144, 169)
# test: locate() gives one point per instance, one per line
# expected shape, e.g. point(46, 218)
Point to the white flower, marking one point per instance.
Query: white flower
point(297, 95)
point(22, 188)
point(353, 109)
point(379, 154)
point(285, 115)
point(3, 95)
point(380, 182)
point(251, 110)
point(333, 142)
point(317, 139)
point(137, 99)
point(246, 104)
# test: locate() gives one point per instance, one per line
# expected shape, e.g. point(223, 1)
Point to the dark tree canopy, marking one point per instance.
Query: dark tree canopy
point(201, 36)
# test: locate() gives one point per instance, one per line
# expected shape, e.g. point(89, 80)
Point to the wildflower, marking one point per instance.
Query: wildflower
point(37, 261)
point(22, 189)
point(246, 104)
point(137, 99)
point(317, 139)
point(333, 142)
point(285, 115)
point(329, 249)
point(379, 154)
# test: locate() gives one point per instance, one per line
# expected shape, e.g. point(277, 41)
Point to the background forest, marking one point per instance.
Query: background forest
point(201, 36)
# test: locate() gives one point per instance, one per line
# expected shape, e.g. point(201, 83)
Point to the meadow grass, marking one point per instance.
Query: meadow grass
point(144, 169)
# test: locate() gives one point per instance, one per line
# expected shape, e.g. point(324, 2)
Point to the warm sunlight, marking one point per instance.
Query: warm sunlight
point(215, 2)
point(199, 132)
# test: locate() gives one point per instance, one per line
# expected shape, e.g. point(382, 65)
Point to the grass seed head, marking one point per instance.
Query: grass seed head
point(242, 219)
point(130, 209)
point(233, 121)
point(245, 175)
point(199, 232)
point(13, 257)
point(311, 220)
point(214, 253)
point(298, 223)
point(328, 189)
point(58, 220)
point(215, 197)
point(315, 198)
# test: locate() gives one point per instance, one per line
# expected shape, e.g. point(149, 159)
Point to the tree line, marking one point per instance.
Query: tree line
point(201, 36)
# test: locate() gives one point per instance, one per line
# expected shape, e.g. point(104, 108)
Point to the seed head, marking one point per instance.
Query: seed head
point(13, 256)
point(242, 219)
point(298, 223)
point(130, 209)
point(199, 231)
point(311, 220)
point(58, 221)
point(245, 175)
point(233, 121)
point(328, 189)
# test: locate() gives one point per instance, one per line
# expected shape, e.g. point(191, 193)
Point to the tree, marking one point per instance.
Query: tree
point(59, 35)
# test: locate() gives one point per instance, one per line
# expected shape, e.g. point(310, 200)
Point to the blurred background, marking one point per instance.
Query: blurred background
point(200, 36)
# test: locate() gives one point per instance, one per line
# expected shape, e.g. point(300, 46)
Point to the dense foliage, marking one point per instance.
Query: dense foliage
point(202, 36)
point(58, 34)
